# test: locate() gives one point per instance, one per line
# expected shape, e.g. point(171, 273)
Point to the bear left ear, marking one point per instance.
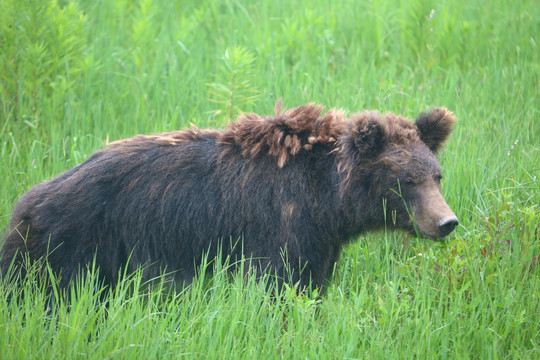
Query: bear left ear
point(434, 127)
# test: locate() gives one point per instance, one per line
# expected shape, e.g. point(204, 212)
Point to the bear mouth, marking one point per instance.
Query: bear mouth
point(420, 234)
point(436, 238)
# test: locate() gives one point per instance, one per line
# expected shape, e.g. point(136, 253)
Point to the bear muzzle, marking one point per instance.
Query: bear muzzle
point(433, 216)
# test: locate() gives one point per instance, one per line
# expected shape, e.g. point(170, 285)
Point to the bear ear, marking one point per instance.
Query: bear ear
point(434, 127)
point(368, 133)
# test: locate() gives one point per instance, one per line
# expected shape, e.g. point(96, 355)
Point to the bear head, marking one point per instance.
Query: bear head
point(393, 160)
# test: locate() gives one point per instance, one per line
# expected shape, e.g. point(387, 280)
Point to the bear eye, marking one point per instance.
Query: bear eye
point(409, 181)
point(438, 178)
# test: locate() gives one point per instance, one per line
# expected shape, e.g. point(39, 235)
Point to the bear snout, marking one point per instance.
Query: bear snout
point(432, 214)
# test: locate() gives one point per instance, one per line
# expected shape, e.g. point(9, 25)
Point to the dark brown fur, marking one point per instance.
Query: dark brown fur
point(288, 190)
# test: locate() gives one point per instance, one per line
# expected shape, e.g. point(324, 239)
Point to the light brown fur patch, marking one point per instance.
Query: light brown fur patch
point(287, 133)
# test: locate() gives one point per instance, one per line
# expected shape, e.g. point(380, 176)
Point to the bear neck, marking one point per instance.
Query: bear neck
point(361, 208)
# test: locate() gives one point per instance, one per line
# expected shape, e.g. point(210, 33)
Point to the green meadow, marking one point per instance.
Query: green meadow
point(76, 75)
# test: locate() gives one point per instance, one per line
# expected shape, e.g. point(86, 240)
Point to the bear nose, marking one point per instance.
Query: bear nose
point(447, 224)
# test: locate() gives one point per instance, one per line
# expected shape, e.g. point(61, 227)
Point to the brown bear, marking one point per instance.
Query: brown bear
point(287, 191)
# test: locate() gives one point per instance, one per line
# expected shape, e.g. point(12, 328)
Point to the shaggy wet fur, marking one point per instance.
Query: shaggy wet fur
point(288, 191)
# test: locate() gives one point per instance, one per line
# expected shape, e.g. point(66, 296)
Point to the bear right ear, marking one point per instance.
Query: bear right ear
point(434, 127)
point(364, 139)
point(368, 133)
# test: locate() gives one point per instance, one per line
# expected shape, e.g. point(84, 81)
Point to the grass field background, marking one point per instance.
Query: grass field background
point(76, 75)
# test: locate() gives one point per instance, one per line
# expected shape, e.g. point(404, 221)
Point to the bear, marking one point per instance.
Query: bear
point(288, 191)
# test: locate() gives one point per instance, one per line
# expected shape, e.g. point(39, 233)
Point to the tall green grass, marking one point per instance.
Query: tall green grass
point(76, 75)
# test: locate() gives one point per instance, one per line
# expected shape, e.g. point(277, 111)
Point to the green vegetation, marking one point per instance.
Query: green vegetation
point(76, 75)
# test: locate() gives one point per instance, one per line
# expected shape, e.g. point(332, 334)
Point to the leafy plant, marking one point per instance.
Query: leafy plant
point(42, 53)
point(232, 88)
